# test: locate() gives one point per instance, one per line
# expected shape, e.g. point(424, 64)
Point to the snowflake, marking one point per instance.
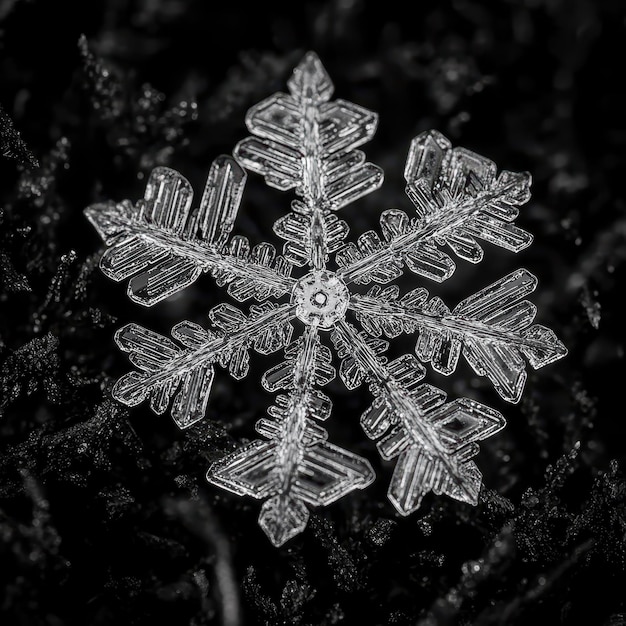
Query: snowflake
point(304, 141)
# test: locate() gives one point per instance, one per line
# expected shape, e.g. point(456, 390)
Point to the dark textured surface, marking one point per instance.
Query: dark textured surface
point(105, 517)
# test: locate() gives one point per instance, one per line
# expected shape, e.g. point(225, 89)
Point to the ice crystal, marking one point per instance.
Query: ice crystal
point(305, 141)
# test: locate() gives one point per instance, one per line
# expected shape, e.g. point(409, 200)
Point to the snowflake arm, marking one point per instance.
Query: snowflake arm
point(184, 373)
point(296, 466)
point(164, 246)
point(305, 141)
point(492, 328)
point(458, 198)
point(434, 440)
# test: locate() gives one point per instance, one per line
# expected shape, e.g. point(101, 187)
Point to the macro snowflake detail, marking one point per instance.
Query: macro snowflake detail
point(305, 141)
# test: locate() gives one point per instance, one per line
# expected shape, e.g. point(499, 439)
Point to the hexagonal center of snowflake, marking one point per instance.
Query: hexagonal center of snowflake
point(321, 299)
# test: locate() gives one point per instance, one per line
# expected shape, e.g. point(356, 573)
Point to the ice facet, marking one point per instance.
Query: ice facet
point(306, 142)
point(310, 80)
point(321, 299)
point(282, 518)
point(220, 202)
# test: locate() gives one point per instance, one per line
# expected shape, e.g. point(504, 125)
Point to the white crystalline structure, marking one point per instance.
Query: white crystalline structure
point(303, 140)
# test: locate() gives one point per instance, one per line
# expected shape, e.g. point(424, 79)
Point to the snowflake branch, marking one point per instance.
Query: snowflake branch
point(304, 141)
point(164, 366)
point(492, 328)
point(392, 251)
point(457, 327)
point(202, 256)
point(313, 179)
point(458, 198)
point(297, 466)
point(290, 446)
point(434, 439)
point(163, 246)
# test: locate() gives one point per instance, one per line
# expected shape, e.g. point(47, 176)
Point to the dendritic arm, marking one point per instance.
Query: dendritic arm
point(493, 329)
point(163, 245)
point(433, 439)
point(184, 373)
point(296, 467)
point(458, 198)
point(303, 140)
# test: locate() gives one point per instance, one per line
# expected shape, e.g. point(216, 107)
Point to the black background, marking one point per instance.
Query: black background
point(105, 516)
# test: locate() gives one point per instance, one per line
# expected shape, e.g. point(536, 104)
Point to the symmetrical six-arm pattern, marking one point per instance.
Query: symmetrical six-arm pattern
point(304, 141)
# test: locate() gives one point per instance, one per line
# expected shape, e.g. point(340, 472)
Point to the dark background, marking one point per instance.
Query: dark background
point(105, 516)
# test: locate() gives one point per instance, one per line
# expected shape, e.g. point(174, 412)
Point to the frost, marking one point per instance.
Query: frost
point(303, 140)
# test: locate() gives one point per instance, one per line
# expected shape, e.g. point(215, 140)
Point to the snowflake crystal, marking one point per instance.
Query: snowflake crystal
point(304, 141)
